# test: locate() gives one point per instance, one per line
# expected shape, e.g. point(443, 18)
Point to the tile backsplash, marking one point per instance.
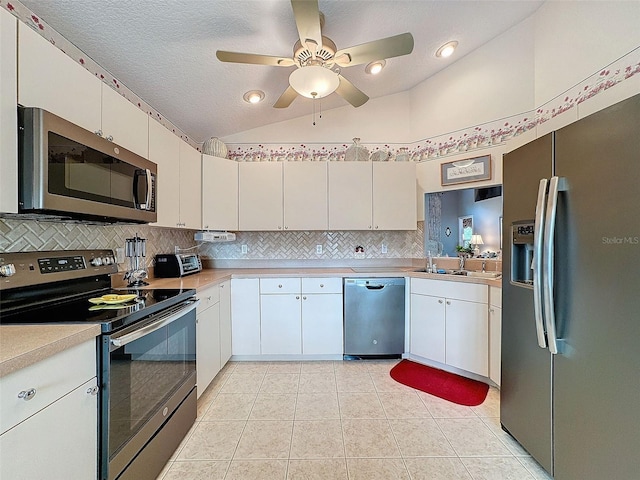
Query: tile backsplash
point(39, 235)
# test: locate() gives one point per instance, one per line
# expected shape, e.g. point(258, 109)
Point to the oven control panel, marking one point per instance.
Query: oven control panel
point(20, 269)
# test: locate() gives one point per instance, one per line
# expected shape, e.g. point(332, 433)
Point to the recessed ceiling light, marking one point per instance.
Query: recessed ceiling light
point(447, 49)
point(376, 67)
point(253, 96)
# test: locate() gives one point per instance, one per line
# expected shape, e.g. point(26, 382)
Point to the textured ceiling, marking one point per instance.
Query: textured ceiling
point(164, 50)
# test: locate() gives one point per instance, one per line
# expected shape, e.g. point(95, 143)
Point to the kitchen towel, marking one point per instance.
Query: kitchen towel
point(451, 387)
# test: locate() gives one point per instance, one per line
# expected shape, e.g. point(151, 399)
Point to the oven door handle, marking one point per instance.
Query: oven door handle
point(161, 322)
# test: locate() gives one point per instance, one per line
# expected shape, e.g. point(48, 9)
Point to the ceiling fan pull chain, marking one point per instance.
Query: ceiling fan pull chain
point(314, 110)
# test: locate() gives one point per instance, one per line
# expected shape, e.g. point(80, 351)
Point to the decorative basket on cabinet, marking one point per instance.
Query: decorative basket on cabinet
point(214, 146)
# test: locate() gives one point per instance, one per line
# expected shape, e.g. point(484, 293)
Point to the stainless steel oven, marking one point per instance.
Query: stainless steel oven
point(148, 370)
point(146, 353)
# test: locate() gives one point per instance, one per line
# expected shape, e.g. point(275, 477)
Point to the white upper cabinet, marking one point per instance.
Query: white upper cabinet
point(164, 150)
point(260, 205)
point(350, 195)
point(219, 193)
point(8, 118)
point(190, 187)
point(305, 196)
point(49, 79)
point(394, 196)
point(123, 123)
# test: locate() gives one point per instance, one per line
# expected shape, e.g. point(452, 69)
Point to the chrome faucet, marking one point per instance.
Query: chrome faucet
point(484, 264)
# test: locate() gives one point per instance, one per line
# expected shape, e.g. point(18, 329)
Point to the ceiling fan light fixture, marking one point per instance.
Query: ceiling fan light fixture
point(375, 67)
point(447, 49)
point(314, 81)
point(253, 96)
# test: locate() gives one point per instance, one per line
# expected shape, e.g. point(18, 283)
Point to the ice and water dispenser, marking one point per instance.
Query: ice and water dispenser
point(522, 253)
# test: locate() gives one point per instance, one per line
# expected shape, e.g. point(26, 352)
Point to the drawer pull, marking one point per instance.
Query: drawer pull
point(321, 285)
point(297, 297)
point(27, 394)
point(93, 391)
point(440, 301)
point(279, 286)
point(304, 298)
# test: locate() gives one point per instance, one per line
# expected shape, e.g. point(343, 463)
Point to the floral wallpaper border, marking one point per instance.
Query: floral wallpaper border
point(478, 136)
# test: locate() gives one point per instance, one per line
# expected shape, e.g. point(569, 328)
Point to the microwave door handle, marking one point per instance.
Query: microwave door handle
point(147, 200)
point(556, 185)
point(161, 322)
point(536, 264)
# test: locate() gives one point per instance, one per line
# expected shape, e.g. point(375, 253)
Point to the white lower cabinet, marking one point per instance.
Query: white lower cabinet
point(245, 316)
point(55, 433)
point(322, 324)
point(280, 324)
point(225, 322)
point(449, 324)
point(495, 333)
point(207, 338)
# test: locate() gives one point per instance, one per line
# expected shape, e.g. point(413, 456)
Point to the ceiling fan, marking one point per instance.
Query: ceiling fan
point(318, 60)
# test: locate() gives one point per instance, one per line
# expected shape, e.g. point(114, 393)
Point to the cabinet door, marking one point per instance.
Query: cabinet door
point(225, 322)
point(350, 195)
point(60, 441)
point(219, 193)
point(49, 79)
point(467, 338)
point(124, 123)
point(280, 324)
point(305, 196)
point(322, 324)
point(190, 187)
point(245, 316)
point(495, 336)
point(428, 327)
point(207, 346)
point(164, 150)
point(260, 196)
point(8, 116)
point(394, 196)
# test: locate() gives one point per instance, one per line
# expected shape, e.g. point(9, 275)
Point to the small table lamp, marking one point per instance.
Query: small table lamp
point(476, 240)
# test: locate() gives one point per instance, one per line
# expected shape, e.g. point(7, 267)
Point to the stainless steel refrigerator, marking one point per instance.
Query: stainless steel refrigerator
point(570, 390)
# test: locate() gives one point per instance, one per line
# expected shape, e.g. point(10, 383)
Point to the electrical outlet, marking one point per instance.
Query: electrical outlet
point(319, 249)
point(383, 248)
point(119, 255)
point(244, 249)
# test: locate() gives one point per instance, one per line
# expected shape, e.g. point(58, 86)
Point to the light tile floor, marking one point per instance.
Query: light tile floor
point(341, 421)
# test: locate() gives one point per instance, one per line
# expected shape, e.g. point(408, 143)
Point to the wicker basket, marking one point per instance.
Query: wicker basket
point(216, 147)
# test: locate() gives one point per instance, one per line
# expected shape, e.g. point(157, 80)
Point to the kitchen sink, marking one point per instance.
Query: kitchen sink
point(484, 274)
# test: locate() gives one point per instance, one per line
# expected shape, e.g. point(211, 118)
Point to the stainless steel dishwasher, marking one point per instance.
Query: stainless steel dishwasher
point(373, 318)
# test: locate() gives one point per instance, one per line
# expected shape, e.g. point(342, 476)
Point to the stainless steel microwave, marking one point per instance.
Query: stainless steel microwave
point(68, 171)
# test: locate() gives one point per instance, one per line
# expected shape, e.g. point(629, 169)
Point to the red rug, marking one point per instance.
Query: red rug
point(452, 387)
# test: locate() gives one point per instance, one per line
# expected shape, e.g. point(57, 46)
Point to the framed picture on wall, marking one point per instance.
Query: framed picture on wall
point(465, 171)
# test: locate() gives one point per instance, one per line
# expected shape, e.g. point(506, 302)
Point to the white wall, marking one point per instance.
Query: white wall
point(575, 39)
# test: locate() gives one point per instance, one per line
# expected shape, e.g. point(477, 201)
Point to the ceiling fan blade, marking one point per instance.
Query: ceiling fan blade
point(286, 98)
point(307, 16)
point(252, 58)
point(351, 93)
point(389, 47)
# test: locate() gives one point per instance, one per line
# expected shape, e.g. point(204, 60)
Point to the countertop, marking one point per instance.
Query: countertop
point(24, 345)
point(209, 277)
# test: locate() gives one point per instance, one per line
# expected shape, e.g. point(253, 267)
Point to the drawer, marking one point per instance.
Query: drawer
point(321, 285)
point(471, 292)
point(495, 296)
point(279, 285)
point(208, 297)
point(51, 379)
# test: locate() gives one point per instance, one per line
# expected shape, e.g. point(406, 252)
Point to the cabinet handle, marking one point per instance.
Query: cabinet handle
point(369, 227)
point(110, 138)
point(448, 302)
point(279, 286)
point(376, 227)
point(297, 297)
point(491, 310)
point(440, 302)
point(98, 132)
point(321, 285)
point(27, 394)
point(93, 391)
point(279, 227)
point(304, 298)
point(222, 285)
point(209, 298)
point(286, 228)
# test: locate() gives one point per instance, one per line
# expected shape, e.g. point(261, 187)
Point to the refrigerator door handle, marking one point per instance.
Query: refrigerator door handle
point(536, 264)
point(555, 185)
